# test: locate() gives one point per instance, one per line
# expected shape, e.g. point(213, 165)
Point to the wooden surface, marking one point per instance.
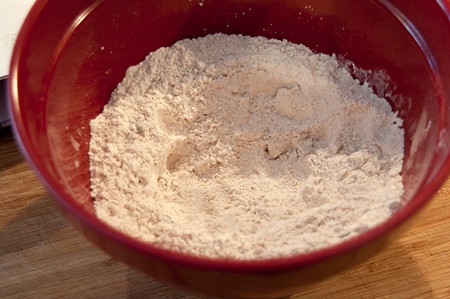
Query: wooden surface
point(42, 256)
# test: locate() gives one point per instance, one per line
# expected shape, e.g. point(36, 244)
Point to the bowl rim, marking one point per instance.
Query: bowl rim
point(252, 265)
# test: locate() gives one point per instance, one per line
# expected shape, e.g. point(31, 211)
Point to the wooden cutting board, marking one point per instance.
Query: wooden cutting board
point(42, 256)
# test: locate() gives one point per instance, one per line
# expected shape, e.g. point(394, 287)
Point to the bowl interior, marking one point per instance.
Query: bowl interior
point(72, 57)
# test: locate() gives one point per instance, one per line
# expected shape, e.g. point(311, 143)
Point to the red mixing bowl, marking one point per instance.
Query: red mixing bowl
point(69, 56)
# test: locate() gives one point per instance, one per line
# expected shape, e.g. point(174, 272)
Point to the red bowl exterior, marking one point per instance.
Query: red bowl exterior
point(69, 58)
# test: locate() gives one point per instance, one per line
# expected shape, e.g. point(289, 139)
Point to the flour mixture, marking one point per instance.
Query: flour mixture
point(244, 148)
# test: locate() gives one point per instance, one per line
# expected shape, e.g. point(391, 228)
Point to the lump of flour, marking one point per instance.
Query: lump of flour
point(244, 148)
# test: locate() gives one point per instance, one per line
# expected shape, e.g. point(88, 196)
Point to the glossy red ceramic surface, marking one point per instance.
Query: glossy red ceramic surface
point(70, 56)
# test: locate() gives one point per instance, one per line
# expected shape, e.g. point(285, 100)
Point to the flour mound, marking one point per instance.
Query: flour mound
point(244, 148)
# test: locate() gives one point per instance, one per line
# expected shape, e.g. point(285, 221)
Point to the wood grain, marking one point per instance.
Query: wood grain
point(42, 256)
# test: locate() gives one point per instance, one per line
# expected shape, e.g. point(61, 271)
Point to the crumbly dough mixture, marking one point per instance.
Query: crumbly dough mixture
point(244, 148)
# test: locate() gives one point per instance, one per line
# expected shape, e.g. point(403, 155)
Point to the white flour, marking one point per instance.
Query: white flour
point(239, 147)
